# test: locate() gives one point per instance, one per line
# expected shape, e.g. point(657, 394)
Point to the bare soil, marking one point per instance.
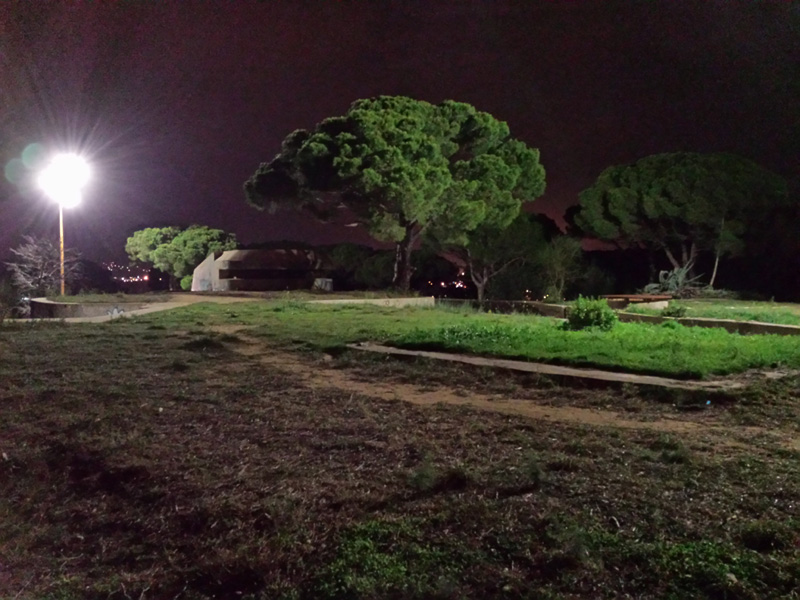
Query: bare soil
point(322, 374)
point(143, 462)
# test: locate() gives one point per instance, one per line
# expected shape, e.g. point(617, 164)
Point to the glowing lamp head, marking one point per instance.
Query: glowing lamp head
point(63, 179)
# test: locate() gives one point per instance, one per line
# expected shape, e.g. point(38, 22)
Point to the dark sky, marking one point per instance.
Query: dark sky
point(176, 103)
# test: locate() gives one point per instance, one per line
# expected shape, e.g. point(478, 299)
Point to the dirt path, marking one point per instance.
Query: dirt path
point(317, 376)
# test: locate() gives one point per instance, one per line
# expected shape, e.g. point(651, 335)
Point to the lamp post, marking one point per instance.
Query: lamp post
point(62, 180)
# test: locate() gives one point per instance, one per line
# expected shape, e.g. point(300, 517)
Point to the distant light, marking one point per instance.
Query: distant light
point(63, 179)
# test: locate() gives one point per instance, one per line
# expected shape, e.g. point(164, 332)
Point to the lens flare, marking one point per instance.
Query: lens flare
point(33, 155)
point(14, 171)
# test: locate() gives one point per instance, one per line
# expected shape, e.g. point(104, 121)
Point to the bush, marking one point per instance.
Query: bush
point(677, 283)
point(674, 311)
point(589, 312)
point(186, 283)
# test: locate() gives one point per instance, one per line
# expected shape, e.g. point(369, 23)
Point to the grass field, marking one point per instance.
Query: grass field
point(670, 350)
point(739, 310)
point(180, 456)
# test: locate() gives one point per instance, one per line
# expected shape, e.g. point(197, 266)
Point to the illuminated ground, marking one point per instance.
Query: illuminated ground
point(183, 459)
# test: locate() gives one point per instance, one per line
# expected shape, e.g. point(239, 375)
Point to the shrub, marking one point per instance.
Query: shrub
point(423, 478)
point(674, 311)
point(589, 312)
point(186, 283)
point(677, 283)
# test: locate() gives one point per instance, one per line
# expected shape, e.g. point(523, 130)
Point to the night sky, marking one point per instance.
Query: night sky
point(176, 103)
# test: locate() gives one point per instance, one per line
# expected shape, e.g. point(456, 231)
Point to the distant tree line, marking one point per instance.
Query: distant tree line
point(450, 188)
point(450, 177)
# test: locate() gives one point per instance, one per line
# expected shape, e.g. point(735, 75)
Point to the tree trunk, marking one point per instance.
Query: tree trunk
point(481, 287)
point(480, 279)
point(402, 261)
point(716, 254)
point(561, 283)
point(672, 260)
point(688, 256)
point(692, 258)
point(714, 272)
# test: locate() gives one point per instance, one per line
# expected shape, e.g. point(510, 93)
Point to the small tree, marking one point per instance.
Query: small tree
point(490, 250)
point(37, 268)
point(559, 263)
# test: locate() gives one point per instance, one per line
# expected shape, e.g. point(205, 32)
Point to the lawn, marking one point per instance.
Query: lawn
point(145, 459)
point(670, 350)
point(738, 310)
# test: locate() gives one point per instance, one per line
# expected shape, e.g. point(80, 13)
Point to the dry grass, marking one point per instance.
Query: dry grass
point(141, 461)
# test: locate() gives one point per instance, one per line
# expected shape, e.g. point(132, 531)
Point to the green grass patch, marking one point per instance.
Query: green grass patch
point(737, 310)
point(697, 569)
point(669, 349)
point(382, 559)
point(684, 352)
point(296, 324)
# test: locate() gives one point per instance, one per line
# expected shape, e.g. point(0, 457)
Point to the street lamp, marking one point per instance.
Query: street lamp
point(62, 180)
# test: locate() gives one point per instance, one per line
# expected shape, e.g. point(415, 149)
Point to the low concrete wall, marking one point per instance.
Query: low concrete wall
point(393, 302)
point(741, 327)
point(42, 308)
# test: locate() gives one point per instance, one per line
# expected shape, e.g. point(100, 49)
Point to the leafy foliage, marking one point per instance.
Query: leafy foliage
point(559, 263)
point(490, 249)
point(37, 268)
point(175, 251)
point(357, 266)
point(674, 310)
point(189, 248)
point(588, 312)
point(680, 203)
point(143, 243)
point(402, 167)
point(678, 283)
